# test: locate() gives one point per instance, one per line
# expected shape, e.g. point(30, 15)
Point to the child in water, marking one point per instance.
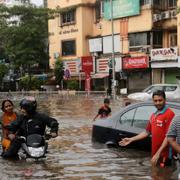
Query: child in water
point(104, 111)
point(8, 116)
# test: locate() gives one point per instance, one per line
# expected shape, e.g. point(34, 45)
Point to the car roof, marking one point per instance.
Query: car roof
point(169, 103)
point(111, 119)
point(164, 85)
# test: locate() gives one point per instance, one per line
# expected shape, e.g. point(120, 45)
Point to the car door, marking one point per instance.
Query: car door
point(134, 122)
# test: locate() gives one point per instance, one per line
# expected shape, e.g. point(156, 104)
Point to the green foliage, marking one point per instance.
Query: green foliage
point(24, 34)
point(3, 71)
point(72, 85)
point(34, 85)
point(59, 70)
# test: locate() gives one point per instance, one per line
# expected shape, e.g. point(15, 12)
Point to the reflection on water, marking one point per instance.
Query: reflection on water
point(73, 156)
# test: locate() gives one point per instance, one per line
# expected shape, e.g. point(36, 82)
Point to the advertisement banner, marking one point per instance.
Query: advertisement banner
point(73, 66)
point(87, 64)
point(95, 45)
point(164, 54)
point(136, 62)
point(121, 8)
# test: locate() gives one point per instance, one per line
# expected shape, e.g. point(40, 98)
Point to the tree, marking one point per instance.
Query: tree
point(59, 70)
point(24, 35)
point(3, 71)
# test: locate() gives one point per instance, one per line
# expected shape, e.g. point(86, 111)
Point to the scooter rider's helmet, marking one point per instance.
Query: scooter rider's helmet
point(29, 104)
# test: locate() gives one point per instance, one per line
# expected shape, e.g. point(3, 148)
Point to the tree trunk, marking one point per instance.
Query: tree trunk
point(30, 77)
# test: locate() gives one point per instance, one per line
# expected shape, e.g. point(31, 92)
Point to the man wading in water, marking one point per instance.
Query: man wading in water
point(157, 126)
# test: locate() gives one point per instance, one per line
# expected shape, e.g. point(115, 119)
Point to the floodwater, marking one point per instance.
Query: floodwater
point(72, 155)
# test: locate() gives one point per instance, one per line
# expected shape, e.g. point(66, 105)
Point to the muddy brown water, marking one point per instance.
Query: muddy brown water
point(72, 155)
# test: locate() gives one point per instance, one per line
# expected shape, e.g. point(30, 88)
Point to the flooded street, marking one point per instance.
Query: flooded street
point(72, 155)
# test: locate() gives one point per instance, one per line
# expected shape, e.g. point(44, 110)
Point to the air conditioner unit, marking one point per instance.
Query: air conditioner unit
point(156, 17)
point(165, 15)
point(173, 13)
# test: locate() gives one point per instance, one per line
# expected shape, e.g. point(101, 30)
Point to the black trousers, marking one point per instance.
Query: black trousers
point(12, 152)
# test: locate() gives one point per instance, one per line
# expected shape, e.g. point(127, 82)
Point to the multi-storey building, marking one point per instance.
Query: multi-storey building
point(145, 39)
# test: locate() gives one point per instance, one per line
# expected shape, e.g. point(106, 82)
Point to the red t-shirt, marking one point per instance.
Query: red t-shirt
point(158, 127)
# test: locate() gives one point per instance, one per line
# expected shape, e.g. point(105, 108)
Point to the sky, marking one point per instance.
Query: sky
point(37, 2)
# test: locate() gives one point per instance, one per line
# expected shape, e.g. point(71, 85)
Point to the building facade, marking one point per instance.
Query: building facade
point(144, 32)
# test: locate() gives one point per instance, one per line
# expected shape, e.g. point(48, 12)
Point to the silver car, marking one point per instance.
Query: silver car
point(172, 92)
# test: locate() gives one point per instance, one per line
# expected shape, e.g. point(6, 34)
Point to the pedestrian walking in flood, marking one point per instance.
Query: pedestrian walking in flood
point(157, 126)
point(104, 111)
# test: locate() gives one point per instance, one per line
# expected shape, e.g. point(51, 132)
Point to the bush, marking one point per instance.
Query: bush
point(72, 85)
point(34, 85)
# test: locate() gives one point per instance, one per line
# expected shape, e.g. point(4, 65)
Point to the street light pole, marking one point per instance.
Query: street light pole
point(113, 55)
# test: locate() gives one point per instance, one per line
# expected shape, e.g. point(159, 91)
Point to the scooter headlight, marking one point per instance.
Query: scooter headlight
point(36, 152)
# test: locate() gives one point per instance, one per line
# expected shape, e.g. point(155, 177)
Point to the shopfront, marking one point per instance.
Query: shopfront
point(165, 65)
point(137, 72)
point(101, 76)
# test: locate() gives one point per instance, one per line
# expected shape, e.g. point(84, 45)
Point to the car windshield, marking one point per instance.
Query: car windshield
point(152, 89)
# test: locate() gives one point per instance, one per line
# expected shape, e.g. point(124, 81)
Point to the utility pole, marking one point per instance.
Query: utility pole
point(113, 55)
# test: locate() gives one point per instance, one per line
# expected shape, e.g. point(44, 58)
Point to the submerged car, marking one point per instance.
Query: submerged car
point(172, 92)
point(127, 122)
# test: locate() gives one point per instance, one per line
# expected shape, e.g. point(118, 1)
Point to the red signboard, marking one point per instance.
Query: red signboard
point(87, 64)
point(136, 62)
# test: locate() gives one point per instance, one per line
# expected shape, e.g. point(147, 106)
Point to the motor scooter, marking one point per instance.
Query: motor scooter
point(34, 146)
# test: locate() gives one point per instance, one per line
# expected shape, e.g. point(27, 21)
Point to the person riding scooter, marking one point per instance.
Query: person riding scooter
point(30, 122)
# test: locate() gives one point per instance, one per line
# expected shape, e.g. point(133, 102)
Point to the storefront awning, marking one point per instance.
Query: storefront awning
point(99, 75)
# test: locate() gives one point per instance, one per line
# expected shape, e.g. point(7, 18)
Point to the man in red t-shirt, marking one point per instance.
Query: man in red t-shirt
point(157, 126)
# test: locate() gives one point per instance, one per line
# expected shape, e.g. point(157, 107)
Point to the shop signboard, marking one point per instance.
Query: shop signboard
point(107, 44)
point(87, 64)
point(87, 67)
point(103, 65)
point(164, 54)
point(121, 8)
point(136, 62)
point(95, 45)
point(72, 66)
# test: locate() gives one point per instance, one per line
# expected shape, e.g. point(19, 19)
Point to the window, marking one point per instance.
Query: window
point(68, 48)
point(142, 116)
point(145, 2)
point(157, 38)
point(98, 11)
point(170, 88)
point(157, 2)
point(68, 17)
point(127, 117)
point(152, 89)
point(172, 3)
point(173, 39)
point(139, 39)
